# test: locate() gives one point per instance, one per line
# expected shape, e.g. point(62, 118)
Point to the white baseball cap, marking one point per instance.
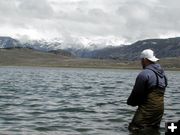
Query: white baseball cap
point(148, 54)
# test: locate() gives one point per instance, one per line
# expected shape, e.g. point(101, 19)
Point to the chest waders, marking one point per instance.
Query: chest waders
point(149, 114)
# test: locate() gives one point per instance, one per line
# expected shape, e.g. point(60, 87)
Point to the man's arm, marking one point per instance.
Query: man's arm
point(138, 94)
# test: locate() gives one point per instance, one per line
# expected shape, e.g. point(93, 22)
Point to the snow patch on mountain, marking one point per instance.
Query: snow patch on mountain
point(75, 43)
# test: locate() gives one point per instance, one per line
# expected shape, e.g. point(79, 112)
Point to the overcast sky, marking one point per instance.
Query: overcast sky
point(125, 20)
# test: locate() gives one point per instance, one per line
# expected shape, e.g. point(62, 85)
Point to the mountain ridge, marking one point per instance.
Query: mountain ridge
point(163, 48)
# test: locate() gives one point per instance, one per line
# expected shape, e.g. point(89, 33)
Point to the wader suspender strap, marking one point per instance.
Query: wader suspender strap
point(166, 83)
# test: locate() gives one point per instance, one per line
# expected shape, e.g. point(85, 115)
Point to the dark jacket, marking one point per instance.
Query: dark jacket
point(151, 77)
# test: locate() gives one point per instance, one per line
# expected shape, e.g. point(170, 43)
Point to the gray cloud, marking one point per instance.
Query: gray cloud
point(33, 8)
point(129, 20)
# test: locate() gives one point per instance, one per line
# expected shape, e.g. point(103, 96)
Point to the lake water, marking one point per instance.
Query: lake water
point(59, 101)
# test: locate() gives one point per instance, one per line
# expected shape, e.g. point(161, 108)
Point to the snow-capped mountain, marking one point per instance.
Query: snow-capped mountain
point(8, 42)
point(98, 48)
point(57, 43)
point(77, 46)
point(84, 43)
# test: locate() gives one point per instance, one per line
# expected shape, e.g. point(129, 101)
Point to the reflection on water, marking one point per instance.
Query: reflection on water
point(73, 101)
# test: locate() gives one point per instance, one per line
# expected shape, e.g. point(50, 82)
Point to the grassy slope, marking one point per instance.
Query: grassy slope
point(28, 57)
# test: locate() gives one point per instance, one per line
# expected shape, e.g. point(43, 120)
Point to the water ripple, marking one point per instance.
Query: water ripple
point(72, 101)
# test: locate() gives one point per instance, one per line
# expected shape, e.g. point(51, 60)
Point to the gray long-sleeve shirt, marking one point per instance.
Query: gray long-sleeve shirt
point(152, 76)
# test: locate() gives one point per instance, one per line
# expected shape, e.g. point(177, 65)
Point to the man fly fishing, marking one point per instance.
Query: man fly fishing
point(148, 94)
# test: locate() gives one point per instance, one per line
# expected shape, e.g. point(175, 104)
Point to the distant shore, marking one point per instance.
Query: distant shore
point(30, 58)
point(88, 63)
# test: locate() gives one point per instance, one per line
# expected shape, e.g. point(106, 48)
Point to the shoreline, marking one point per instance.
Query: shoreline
point(82, 67)
point(30, 58)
